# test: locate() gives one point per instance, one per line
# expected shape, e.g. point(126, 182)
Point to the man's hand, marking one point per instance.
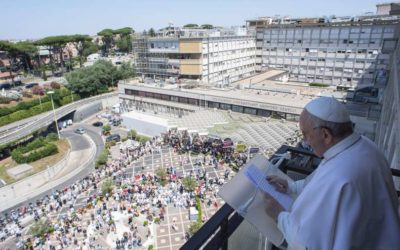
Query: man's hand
point(273, 208)
point(279, 183)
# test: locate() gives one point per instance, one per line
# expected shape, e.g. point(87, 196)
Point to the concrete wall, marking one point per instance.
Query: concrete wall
point(87, 110)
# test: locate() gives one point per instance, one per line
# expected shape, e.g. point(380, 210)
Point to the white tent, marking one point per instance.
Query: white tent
point(144, 124)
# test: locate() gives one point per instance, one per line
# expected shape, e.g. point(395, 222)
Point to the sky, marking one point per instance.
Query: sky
point(33, 19)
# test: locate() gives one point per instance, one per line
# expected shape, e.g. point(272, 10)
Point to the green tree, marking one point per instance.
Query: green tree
point(41, 227)
point(194, 227)
point(55, 44)
point(19, 55)
point(102, 159)
point(107, 186)
point(97, 78)
point(124, 43)
point(207, 26)
point(189, 183)
point(125, 71)
point(108, 40)
point(152, 33)
point(27, 51)
point(106, 129)
point(132, 134)
point(161, 173)
point(92, 80)
point(191, 26)
point(81, 43)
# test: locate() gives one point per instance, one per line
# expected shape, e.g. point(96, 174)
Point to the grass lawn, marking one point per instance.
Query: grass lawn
point(38, 165)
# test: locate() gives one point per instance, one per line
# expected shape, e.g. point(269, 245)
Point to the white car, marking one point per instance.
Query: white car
point(80, 131)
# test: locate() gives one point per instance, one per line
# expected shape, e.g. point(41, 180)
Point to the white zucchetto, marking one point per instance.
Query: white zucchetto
point(328, 109)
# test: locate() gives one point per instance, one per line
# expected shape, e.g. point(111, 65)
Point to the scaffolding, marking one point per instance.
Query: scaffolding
point(151, 64)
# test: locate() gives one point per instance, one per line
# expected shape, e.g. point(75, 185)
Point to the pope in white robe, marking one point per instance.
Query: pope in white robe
point(349, 202)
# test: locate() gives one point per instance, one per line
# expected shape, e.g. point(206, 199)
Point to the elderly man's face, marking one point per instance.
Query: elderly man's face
point(314, 136)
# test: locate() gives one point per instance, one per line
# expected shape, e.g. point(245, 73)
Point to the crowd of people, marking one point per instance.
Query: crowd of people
point(140, 197)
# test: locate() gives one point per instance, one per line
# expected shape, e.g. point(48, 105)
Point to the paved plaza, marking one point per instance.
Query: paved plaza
point(166, 236)
point(170, 233)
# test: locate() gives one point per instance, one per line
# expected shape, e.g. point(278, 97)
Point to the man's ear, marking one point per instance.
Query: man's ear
point(326, 133)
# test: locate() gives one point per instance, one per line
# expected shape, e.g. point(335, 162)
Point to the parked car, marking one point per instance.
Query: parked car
point(98, 124)
point(5, 85)
point(80, 131)
point(116, 122)
point(30, 85)
point(113, 137)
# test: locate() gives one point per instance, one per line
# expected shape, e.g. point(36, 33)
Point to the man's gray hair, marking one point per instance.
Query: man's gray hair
point(338, 130)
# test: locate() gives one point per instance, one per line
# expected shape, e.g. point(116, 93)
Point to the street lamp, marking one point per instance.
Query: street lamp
point(40, 100)
point(72, 96)
point(54, 112)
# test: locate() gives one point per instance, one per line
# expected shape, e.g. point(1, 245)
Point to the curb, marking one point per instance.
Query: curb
point(50, 185)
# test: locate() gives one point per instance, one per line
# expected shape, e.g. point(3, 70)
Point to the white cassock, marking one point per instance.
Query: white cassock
point(349, 203)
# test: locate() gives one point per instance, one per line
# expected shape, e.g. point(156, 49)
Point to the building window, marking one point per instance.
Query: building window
point(237, 108)
point(250, 111)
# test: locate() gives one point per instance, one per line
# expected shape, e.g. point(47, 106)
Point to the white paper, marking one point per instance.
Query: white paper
point(258, 178)
point(240, 192)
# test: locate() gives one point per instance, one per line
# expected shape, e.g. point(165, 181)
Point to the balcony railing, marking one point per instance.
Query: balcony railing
point(215, 233)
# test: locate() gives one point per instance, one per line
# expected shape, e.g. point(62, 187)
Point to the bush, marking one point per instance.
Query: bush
point(52, 137)
point(132, 134)
point(37, 90)
point(142, 138)
point(106, 129)
point(194, 227)
point(26, 94)
point(189, 183)
point(107, 186)
point(102, 159)
point(163, 182)
point(151, 247)
point(110, 144)
point(321, 85)
point(41, 227)
point(55, 85)
point(19, 156)
point(145, 223)
point(198, 207)
point(5, 100)
point(37, 143)
point(157, 220)
point(30, 108)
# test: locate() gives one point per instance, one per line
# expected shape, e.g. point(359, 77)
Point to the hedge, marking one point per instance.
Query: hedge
point(30, 108)
point(23, 106)
point(47, 150)
point(22, 114)
point(198, 206)
point(38, 148)
point(38, 143)
point(321, 85)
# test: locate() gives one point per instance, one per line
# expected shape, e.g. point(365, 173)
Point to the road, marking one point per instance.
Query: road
point(19, 129)
point(78, 142)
